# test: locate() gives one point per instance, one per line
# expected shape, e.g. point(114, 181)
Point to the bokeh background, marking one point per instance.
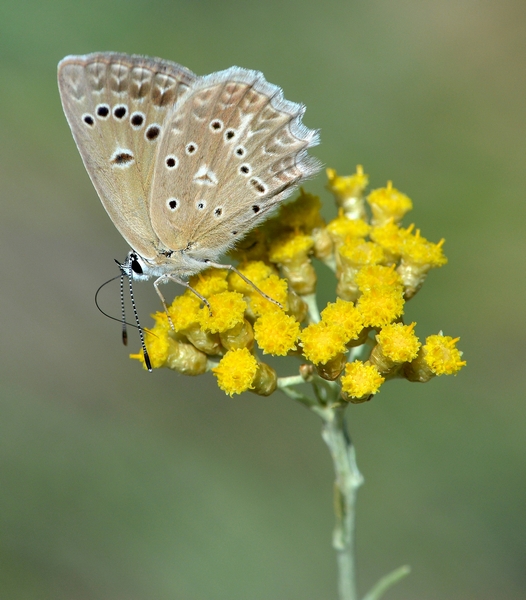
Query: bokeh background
point(117, 484)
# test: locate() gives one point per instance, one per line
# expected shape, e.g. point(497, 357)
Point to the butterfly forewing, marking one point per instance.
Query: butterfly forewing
point(233, 149)
point(117, 106)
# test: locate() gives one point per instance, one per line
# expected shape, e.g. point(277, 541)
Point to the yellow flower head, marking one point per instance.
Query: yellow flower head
point(348, 186)
point(398, 342)
point(227, 309)
point(361, 380)
point(276, 289)
point(157, 346)
point(303, 214)
point(291, 247)
point(255, 271)
point(418, 251)
point(373, 276)
point(342, 228)
point(344, 315)
point(357, 252)
point(381, 306)
point(276, 333)
point(442, 356)
point(211, 281)
point(322, 341)
point(388, 204)
point(391, 237)
point(184, 311)
point(236, 371)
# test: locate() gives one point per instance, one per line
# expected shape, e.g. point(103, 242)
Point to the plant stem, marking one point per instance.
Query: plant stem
point(348, 480)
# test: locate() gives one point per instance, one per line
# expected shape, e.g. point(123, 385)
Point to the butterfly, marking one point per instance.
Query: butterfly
point(185, 165)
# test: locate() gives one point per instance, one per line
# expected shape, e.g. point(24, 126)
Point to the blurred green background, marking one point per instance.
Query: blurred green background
point(116, 484)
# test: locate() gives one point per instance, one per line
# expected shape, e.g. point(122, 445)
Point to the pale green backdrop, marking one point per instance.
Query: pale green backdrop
point(120, 485)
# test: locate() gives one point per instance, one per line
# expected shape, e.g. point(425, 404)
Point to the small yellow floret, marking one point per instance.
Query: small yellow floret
point(381, 306)
point(358, 252)
point(184, 311)
point(290, 247)
point(255, 271)
point(399, 342)
point(342, 227)
point(372, 276)
point(157, 346)
point(211, 281)
point(361, 380)
point(417, 250)
point(236, 371)
point(346, 186)
point(391, 237)
point(227, 309)
point(276, 333)
point(322, 341)
point(442, 355)
point(388, 203)
point(303, 214)
point(344, 315)
point(275, 288)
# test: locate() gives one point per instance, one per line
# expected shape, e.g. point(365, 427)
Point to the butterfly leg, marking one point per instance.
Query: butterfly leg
point(164, 279)
point(244, 278)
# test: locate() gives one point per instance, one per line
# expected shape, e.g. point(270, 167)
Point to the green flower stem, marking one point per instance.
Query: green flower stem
point(348, 480)
point(312, 304)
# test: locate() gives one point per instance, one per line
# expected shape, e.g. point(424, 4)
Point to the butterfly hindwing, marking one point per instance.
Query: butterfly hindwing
point(233, 150)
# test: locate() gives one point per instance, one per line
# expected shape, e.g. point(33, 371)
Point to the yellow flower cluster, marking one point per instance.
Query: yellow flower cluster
point(270, 307)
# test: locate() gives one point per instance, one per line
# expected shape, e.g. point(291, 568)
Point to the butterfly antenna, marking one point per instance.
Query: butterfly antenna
point(136, 315)
point(123, 312)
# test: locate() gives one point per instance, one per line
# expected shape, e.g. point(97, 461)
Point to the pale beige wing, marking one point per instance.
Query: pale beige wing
point(116, 106)
point(233, 150)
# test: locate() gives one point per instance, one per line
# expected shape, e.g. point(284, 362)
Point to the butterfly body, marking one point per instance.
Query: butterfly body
point(184, 165)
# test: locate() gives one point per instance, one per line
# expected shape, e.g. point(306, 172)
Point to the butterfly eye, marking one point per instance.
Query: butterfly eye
point(119, 111)
point(103, 111)
point(216, 125)
point(172, 203)
point(88, 119)
point(136, 266)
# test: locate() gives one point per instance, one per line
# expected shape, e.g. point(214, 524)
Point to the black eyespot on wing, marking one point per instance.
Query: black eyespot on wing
point(88, 119)
point(137, 120)
point(170, 162)
point(256, 208)
point(218, 212)
point(230, 133)
point(103, 111)
point(153, 132)
point(119, 112)
point(123, 158)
